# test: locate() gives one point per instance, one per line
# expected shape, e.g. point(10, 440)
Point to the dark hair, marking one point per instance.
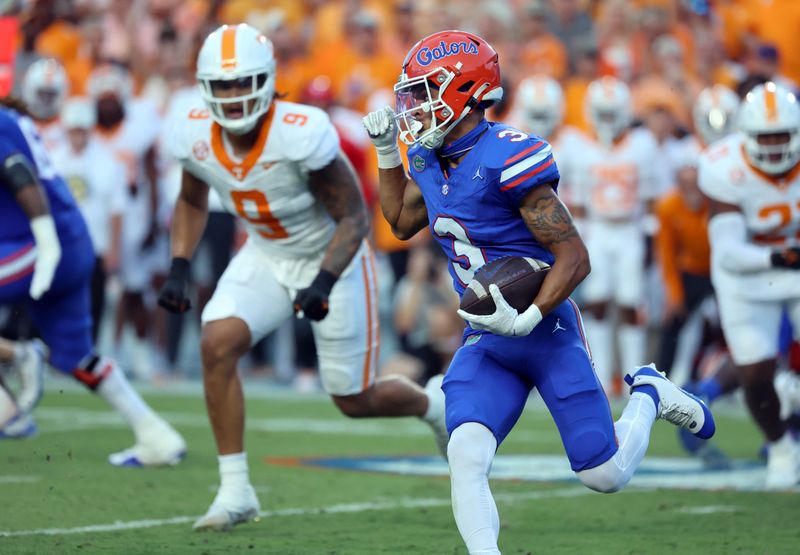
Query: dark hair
point(14, 103)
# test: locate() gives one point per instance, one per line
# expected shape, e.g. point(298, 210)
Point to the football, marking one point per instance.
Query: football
point(519, 279)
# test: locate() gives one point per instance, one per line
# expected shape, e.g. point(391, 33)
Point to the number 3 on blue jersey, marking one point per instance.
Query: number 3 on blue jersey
point(467, 258)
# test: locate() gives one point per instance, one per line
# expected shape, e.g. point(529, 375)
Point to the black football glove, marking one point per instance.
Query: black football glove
point(313, 300)
point(787, 258)
point(173, 294)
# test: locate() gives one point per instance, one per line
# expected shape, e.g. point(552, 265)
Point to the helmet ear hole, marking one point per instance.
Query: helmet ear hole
point(465, 87)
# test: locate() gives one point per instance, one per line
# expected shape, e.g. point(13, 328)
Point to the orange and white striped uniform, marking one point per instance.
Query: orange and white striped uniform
point(288, 231)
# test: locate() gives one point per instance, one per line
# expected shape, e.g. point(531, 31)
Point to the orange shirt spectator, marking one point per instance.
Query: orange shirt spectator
point(777, 22)
point(543, 52)
point(60, 41)
point(359, 66)
point(681, 242)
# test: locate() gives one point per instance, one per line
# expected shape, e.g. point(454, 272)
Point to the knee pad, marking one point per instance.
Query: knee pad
point(92, 370)
point(607, 477)
point(471, 448)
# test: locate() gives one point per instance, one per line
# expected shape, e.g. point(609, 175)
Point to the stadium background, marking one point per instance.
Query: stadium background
point(345, 55)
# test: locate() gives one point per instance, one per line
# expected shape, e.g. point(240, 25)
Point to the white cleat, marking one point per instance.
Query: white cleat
point(225, 513)
point(160, 445)
point(19, 427)
point(674, 404)
point(783, 464)
point(30, 369)
point(436, 412)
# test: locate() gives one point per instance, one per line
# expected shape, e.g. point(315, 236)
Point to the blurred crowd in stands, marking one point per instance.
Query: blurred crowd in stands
point(344, 56)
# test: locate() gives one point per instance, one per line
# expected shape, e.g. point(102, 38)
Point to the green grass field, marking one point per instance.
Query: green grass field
point(58, 494)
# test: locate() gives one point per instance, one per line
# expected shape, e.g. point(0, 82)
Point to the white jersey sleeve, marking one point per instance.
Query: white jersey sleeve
point(713, 170)
point(311, 138)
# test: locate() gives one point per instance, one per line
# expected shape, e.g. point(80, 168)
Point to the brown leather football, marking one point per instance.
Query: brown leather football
point(519, 279)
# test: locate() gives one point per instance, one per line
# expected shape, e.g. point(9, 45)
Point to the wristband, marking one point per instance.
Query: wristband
point(389, 157)
point(324, 281)
point(179, 268)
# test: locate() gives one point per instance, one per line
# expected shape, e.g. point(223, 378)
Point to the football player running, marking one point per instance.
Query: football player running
point(753, 181)
point(46, 261)
point(488, 190)
point(278, 166)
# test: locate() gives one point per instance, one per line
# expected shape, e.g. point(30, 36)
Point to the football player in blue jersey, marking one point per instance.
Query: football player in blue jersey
point(46, 261)
point(487, 190)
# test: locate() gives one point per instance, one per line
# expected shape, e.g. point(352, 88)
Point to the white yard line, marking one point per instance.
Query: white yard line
point(409, 503)
point(11, 479)
point(711, 509)
point(55, 420)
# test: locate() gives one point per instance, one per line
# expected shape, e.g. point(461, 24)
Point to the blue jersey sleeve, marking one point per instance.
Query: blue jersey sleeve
point(7, 148)
point(526, 165)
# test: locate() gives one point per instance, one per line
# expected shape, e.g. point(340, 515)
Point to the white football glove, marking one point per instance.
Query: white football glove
point(505, 320)
point(48, 255)
point(382, 130)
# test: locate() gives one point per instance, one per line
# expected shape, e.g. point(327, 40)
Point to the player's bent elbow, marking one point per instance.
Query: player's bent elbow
point(402, 233)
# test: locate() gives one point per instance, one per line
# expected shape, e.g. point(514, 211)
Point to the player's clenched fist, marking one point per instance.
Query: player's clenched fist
point(173, 294)
point(312, 302)
point(787, 258)
point(382, 130)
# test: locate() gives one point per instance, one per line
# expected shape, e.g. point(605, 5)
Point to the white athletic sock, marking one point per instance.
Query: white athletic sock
point(233, 471)
point(632, 346)
point(116, 390)
point(599, 335)
point(633, 437)
point(8, 407)
point(470, 453)
point(435, 405)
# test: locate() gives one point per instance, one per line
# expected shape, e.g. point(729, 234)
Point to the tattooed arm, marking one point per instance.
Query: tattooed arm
point(336, 186)
point(551, 224)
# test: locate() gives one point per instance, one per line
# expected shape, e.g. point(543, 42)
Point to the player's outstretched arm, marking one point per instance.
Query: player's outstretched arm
point(19, 176)
point(551, 224)
point(336, 187)
point(401, 200)
point(188, 224)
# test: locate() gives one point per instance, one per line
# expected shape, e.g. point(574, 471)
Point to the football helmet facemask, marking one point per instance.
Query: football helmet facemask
point(540, 105)
point(608, 108)
point(236, 57)
point(44, 88)
point(769, 118)
point(714, 113)
point(448, 75)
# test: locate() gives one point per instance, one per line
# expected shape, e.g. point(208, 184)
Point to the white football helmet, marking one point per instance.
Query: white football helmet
point(771, 110)
point(715, 113)
point(45, 88)
point(540, 104)
point(110, 79)
point(608, 108)
point(237, 55)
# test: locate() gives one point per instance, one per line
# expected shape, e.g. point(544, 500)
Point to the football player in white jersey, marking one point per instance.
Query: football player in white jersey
point(130, 126)
point(97, 181)
point(44, 90)
point(277, 165)
point(614, 182)
point(753, 181)
point(539, 109)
